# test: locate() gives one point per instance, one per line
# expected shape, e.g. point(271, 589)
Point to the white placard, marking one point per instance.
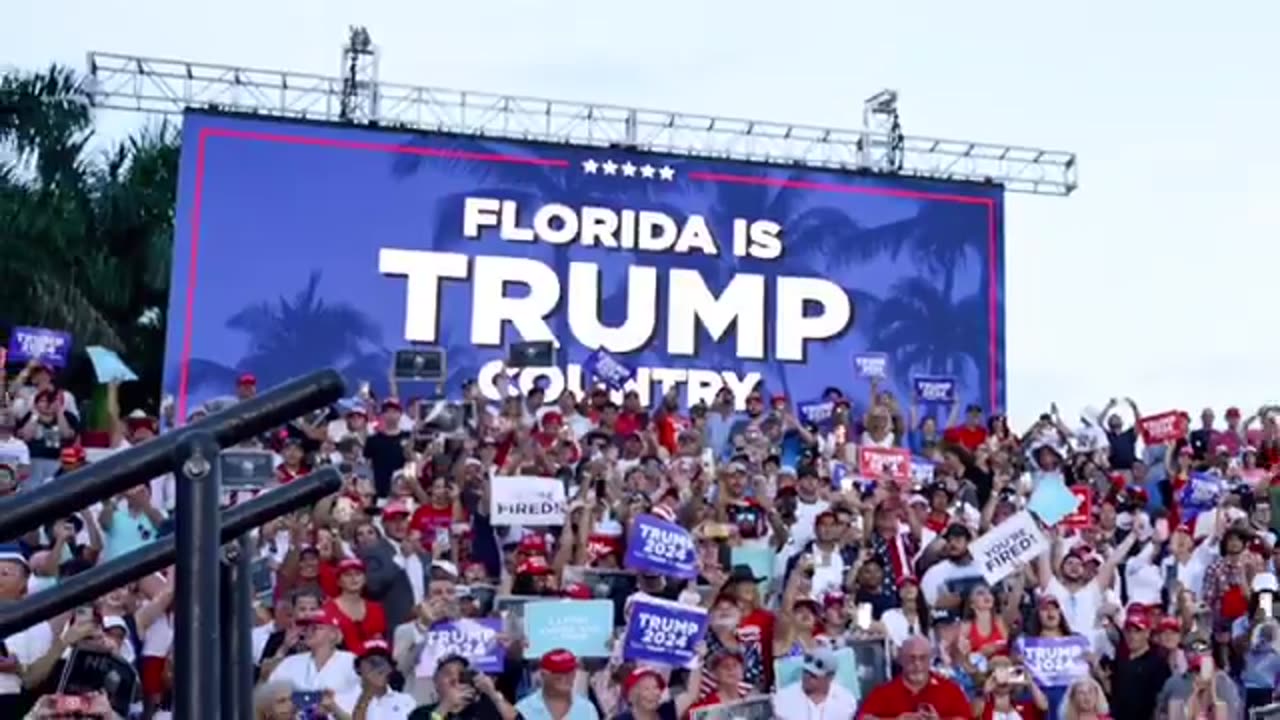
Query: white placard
point(526, 500)
point(1015, 541)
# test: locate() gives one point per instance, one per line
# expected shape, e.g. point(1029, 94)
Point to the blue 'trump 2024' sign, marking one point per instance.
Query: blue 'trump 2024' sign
point(301, 246)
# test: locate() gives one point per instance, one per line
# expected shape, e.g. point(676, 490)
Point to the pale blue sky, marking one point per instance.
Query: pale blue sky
point(1155, 280)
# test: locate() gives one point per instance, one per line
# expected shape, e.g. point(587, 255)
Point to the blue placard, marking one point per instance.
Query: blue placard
point(49, 346)
point(817, 412)
point(658, 547)
point(608, 368)
point(872, 365)
point(839, 471)
point(663, 632)
point(475, 639)
point(1050, 500)
point(921, 471)
point(108, 366)
point(583, 627)
point(1201, 493)
point(934, 389)
point(1056, 662)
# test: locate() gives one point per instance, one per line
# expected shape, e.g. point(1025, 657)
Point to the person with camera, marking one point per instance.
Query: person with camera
point(464, 694)
point(1009, 694)
point(94, 706)
point(374, 699)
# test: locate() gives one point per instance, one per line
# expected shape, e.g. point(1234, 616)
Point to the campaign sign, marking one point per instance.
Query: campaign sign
point(1056, 662)
point(1158, 429)
point(658, 547)
point(583, 627)
point(475, 639)
point(697, 273)
point(1050, 499)
point(840, 475)
point(921, 471)
point(608, 368)
point(1200, 494)
point(1082, 517)
point(879, 462)
point(751, 707)
point(872, 365)
point(49, 346)
point(934, 389)
point(1003, 548)
point(817, 412)
point(526, 500)
point(663, 632)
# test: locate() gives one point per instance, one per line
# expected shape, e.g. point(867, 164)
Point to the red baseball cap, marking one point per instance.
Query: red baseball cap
point(577, 591)
point(1137, 619)
point(635, 676)
point(396, 508)
point(558, 661)
point(533, 565)
point(375, 646)
point(350, 564)
point(535, 543)
point(247, 379)
point(320, 617)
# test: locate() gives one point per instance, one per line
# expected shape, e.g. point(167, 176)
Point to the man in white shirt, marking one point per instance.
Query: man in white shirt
point(374, 694)
point(814, 695)
point(324, 666)
point(941, 580)
point(22, 650)
point(13, 452)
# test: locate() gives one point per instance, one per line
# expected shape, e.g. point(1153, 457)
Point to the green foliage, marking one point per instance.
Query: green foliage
point(85, 235)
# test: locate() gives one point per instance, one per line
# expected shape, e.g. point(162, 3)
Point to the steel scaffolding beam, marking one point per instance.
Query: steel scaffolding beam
point(152, 85)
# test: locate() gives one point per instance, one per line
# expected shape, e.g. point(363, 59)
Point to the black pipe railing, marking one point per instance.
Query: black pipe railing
point(95, 582)
point(114, 474)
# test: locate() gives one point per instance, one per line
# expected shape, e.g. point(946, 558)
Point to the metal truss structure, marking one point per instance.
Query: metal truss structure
point(124, 82)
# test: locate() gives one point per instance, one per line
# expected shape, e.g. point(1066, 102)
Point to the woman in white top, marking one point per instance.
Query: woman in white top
point(911, 618)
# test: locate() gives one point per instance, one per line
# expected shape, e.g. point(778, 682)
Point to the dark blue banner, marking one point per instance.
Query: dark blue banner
point(308, 245)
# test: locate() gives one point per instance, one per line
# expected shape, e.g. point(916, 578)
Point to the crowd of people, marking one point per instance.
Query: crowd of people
point(1158, 603)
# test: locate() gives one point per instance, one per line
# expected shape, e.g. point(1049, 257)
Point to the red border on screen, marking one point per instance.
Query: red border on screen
point(208, 132)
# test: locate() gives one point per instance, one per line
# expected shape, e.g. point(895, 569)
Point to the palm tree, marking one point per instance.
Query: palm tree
point(88, 232)
point(293, 336)
point(928, 332)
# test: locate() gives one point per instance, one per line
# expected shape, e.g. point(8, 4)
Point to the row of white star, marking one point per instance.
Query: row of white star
point(627, 169)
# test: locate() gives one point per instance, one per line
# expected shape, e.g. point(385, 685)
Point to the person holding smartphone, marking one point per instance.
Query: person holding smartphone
point(1009, 694)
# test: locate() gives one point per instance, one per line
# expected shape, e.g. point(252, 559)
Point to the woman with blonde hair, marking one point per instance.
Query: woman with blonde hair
point(1084, 701)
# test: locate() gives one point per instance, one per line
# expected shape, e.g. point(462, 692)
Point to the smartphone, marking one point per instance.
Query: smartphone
point(364, 389)
point(84, 614)
point(410, 469)
point(1162, 527)
point(442, 539)
point(1265, 601)
point(1206, 667)
point(862, 618)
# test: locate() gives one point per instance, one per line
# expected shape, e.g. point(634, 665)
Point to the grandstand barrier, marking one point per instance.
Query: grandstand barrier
point(197, 545)
point(118, 472)
point(95, 582)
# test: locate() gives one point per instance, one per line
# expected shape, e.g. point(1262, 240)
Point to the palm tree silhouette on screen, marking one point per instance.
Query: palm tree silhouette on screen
point(808, 233)
point(295, 335)
point(922, 323)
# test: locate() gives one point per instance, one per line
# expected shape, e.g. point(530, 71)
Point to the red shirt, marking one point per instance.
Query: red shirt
point(669, 429)
point(894, 698)
point(967, 437)
point(630, 422)
point(374, 625)
point(758, 625)
point(428, 519)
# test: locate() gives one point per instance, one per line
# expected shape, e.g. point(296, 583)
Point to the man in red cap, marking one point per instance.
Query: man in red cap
point(246, 386)
point(1141, 672)
point(323, 667)
point(374, 698)
point(557, 699)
